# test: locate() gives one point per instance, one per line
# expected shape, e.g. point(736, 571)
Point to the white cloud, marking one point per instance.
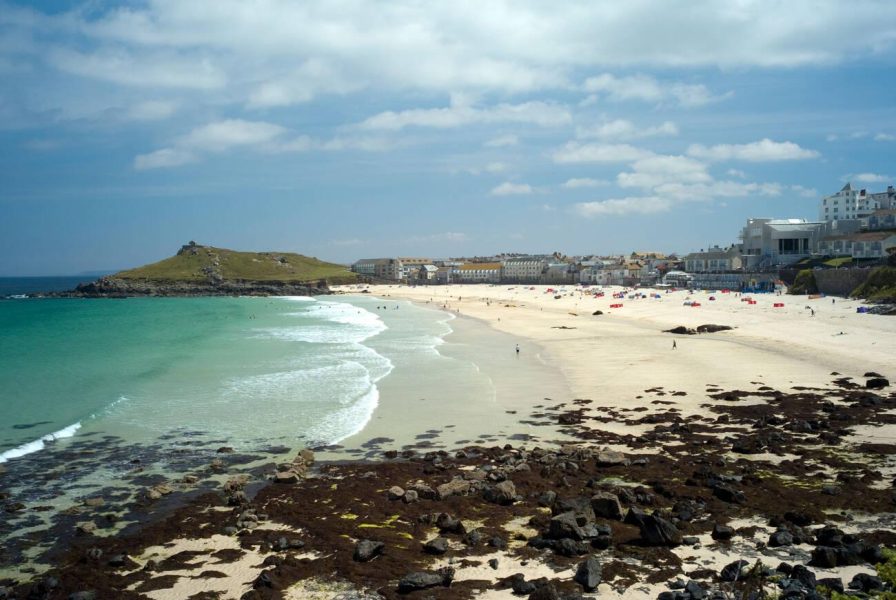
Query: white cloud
point(511, 189)
point(649, 89)
point(869, 178)
point(576, 152)
point(736, 173)
point(884, 137)
point(165, 157)
point(641, 205)
point(141, 68)
point(459, 113)
point(657, 170)
point(223, 135)
point(502, 141)
point(584, 182)
point(621, 129)
point(804, 191)
point(152, 110)
point(765, 150)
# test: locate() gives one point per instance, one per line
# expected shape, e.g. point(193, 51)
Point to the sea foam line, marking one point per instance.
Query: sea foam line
point(40, 443)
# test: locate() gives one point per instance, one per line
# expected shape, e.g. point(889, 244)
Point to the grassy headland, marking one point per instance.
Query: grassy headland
point(196, 263)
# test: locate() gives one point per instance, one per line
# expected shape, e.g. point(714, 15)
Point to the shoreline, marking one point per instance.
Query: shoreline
point(751, 429)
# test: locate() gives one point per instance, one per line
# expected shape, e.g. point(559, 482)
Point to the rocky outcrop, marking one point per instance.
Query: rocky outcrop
point(113, 287)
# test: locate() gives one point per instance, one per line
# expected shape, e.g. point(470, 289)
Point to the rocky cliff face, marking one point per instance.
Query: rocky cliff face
point(111, 287)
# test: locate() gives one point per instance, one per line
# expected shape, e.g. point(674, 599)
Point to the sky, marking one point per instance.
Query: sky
point(348, 129)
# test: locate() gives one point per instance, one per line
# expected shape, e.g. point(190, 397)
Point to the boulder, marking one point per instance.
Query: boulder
point(455, 487)
point(565, 526)
point(421, 580)
point(503, 493)
point(448, 524)
point(436, 546)
point(288, 476)
point(657, 531)
point(876, 383)
point(545, 592)
point(520, 586)
point(722, 532)
point(396, 493)
point(782, 537)
point(606, 505)
point(609, 458)
point(367, 550)
point(410, 496)
point(85, 528)
point(733, 571)
point(588, 574)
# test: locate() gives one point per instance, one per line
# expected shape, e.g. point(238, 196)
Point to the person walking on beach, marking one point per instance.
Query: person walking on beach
point(517, 348)
point(674, 344)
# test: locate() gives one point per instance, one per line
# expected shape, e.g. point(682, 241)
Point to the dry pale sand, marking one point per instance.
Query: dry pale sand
point(613, 357)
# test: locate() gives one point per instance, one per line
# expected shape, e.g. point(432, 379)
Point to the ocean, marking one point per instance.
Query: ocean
point(108, 397)
point(18, 286)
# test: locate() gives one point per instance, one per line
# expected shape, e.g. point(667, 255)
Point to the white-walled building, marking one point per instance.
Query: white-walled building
point(526, 269)
point(850, 203)
point(478, 273)
point(713, 260)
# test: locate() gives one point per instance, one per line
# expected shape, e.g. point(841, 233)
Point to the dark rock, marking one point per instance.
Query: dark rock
point(520, 586)
point(782, 537)
point(729, 494)
point(635, 516)
point(588, 574)
point(473, 538)
point(503, 493)
point(547, 498)
point(876, 383)
point(580, 506)
point(804, 575)
point(367, 550)
point(609, 458)
point(437, 545)
point(565, 526)
point(545, 592)
point(832, 583)
point(710, 328)
point(722, 532)
point(570, 548)
point(693, 588)
point(657, 531)
point(606, 505)
point(866, 583)
point(448, 524)
point(732, 571)
point(493, 563)
point(421, 580)
point(498, 542)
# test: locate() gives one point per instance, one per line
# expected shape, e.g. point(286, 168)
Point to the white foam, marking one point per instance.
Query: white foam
point(40, 443)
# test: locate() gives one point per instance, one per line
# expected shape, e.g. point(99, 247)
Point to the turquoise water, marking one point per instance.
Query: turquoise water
point(291, 371)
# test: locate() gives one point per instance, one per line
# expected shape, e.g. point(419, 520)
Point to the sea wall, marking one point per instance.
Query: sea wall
point(840, 282)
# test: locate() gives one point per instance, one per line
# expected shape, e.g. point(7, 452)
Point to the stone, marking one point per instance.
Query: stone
point(448, 524)
point(722, 532)
point(656, 531)
point(732, 571)
point(367, 550)
point(410, 496)
point(286, 477)
point(609, 458)
point(866, 583)
point(588, 574)
point(493, 563)
point(568, 547)
point(520, 586)
point(832, 583)
point(635, 516)
point(545, 592)
point(396, 493)
point(421, 580)
point(473, 538)
point(782, 537)
point(693, 588)
point(423, 491)
point(94, 502)
point(455, 487)
point(565, 526)
point(503, 493)
point(547, 498)
point(607, 506)
point(876, 383)
point(85, 528)
point(436, 546)
point(804, 576)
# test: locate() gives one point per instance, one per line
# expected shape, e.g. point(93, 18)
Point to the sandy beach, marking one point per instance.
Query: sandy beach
point(613, 357)
point(772, 443)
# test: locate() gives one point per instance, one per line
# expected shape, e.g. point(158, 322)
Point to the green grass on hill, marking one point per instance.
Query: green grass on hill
point(199, 263)
point(879, 287)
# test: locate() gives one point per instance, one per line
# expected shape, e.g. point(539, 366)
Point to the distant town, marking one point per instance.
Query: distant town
point(854, 227)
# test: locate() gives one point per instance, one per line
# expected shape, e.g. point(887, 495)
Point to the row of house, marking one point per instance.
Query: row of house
point(536, 269)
